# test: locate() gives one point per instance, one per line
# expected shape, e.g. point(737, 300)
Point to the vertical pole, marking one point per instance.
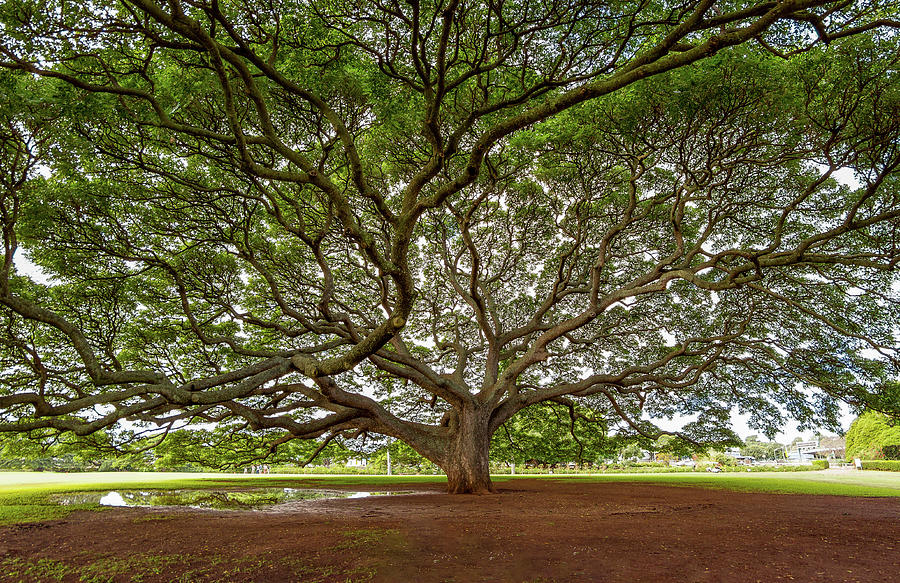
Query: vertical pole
point(389, 458)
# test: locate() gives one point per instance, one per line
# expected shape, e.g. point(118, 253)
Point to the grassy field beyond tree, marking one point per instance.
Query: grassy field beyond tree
point(26, 496)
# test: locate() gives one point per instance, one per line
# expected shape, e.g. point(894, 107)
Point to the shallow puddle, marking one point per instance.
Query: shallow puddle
point(246, 499)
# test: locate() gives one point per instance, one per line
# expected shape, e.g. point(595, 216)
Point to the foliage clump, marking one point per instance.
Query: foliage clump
point(874, 436)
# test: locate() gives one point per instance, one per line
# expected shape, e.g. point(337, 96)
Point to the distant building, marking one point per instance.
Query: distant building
point(743, 460)
point(830, 447)
point(803, 451)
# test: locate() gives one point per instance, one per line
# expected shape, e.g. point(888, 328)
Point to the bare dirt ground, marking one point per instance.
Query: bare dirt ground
point(536, 531)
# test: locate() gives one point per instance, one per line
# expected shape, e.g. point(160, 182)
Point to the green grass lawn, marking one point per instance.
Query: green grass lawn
point(866, 483)
point(26, 496)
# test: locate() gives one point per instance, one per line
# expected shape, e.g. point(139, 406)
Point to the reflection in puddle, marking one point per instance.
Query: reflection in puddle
point(112, 499)
point(248, 499)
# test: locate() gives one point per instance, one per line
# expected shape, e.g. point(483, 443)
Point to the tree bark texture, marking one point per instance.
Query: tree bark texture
point(468, 454)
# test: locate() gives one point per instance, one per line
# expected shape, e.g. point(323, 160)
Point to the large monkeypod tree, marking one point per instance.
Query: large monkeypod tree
point(311, 219)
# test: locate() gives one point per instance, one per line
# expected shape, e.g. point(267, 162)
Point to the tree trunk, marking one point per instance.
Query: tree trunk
point(468, 454)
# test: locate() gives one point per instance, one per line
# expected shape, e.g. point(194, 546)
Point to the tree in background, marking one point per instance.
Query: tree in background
point(224, 448)
point(322, 220)
point(762, 450)
point(69, 453)
point(553, 433)
point(870, 434)
point(404, 459)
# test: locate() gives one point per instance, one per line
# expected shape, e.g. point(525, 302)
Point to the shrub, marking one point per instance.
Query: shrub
point(891, 452)
point(820, 464)
point(870, 433)
point(279, 469)
point(883, 465)
point(779, 468)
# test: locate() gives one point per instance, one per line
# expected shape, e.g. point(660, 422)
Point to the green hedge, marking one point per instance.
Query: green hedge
point(883, 465)
point(667, 469)
point(365, 471)
point(820, 464)
point(609, 470)
point(803, 468)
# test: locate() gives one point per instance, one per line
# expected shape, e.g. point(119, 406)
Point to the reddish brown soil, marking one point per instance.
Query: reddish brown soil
point(533, 531)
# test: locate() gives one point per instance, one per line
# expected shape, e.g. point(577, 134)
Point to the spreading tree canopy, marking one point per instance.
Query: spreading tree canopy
point(311, 219)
